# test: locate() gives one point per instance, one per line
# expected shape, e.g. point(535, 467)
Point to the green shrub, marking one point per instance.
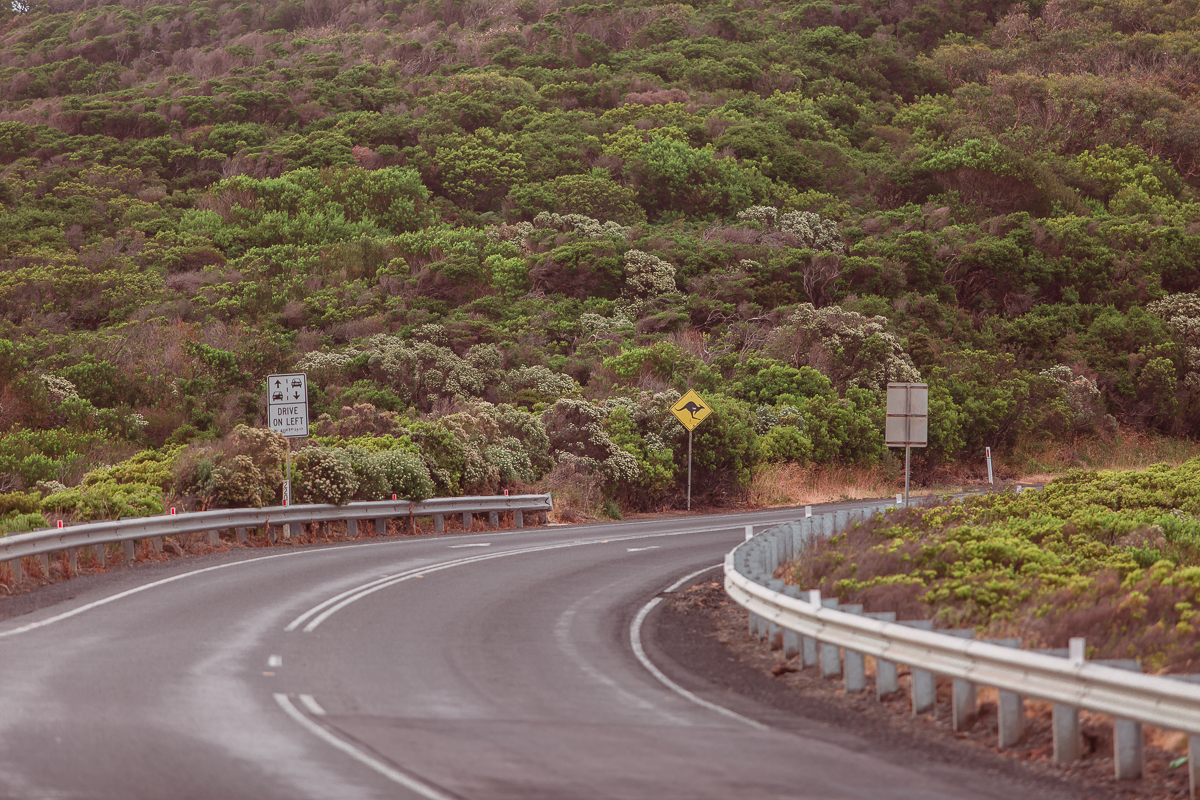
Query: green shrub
point(107, 500)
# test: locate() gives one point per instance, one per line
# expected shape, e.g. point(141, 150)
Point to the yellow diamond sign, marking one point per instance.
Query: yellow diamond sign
point(691, 410)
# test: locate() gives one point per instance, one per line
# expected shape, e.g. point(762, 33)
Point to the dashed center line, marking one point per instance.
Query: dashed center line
point(640, 549)
point(479, 544)
point(275, 661)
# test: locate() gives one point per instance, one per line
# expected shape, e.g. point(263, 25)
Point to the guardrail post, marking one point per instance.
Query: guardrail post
point(214, 537)
point(1129, 742)
point(352, 528)
point(887, 676)
point(73, 560)
point(1068, 745)
point(380, 526)
point(130, 550)
point(924, 685)
point(854, 670)
point(240, 534)
point(1193, 767)
point(964, 700)
point(518, 519)
point(439, 523)
point(808, 645)
point(293, 529)
point(791, 639)
point(1010, 712)
point(18, 571)
point(44, 560)
point(156, 541)
point(831, 656)
point(494, 520)
point(98, 553)
point(1010, 707)
point(774, 632)
point(468, 521)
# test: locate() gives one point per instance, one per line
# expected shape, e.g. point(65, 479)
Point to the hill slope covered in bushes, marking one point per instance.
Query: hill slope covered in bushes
point(502, 237)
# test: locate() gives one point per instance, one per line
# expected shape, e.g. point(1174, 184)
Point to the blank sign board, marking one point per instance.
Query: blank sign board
point(907, 415)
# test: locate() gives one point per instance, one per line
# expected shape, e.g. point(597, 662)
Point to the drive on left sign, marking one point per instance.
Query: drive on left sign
point(287, 404)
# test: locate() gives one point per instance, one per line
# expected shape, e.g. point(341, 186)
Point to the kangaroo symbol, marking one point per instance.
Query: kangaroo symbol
point(692, 408)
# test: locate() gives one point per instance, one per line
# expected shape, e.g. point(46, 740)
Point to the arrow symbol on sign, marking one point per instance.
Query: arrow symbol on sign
point(276, 384)
point(296, 395)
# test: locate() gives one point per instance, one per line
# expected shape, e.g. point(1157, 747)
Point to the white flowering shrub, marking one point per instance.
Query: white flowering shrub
point(539, 380)
point(1082, 397)
point(576, 427)
point(592, 228)
point(1182, 313)
point(403, 475)
point(648, 275)
point(850, 348)
point(594, 326)
point(323, 475)
point(59, 387)
point(814, 231)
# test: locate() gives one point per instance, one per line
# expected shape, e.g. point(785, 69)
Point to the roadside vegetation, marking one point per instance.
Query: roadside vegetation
point(502, 238)
point(1109, 555)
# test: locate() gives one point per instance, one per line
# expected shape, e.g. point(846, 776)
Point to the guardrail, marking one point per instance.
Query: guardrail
point(836, 637)
point(71, 538)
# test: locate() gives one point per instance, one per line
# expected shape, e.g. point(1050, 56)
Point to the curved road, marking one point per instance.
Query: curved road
point(499, 665)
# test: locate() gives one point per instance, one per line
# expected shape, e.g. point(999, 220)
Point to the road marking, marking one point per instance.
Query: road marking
point(640, 549)
point(310, 702)
point(480, 544)
point(384, 769)
point(275, 661)
point(391, 542)
point(313, 617)
point(635, 639)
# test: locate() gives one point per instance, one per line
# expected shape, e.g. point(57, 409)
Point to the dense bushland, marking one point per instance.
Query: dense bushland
point(502, 238)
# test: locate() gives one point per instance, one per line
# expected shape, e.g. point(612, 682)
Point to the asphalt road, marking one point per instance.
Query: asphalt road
point(486, 666)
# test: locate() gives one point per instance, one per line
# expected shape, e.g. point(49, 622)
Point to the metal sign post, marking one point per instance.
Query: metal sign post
point(690, 410)
point(988, 452)
point(907, 422)
point(287, 414)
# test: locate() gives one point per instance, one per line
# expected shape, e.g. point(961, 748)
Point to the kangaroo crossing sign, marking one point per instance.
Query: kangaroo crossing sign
point(690, 410)
point(287, 404)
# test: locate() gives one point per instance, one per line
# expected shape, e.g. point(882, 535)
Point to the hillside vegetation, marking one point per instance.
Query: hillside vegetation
point(501, 238)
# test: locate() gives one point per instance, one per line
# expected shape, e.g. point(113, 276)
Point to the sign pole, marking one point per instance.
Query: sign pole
point(287, 485)
point(689, 508)
point(907, 453)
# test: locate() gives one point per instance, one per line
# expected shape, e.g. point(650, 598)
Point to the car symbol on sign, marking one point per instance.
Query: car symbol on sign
point(277, 396)
point(297, 382)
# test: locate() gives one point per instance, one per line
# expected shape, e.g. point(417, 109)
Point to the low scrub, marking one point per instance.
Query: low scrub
point(1111, 556)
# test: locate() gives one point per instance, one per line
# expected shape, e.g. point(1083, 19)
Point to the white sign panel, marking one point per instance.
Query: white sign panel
point(907, 422)
point(287, 404)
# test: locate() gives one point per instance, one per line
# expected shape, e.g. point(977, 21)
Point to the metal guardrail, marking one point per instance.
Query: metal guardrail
point(820, 626)
point(70, 538)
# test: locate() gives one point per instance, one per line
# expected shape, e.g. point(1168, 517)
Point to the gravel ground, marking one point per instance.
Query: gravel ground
point(708, 634)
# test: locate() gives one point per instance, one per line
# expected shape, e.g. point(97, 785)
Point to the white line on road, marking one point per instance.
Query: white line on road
point(384, 769)
point(635, 639)
point(275, 661)
point(477, 544)
point(335, 604)
point(640, 549)
point(310, 702)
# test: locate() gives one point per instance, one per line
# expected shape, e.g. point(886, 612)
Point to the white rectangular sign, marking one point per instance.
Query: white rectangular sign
point(287, 404)
point(907, 422)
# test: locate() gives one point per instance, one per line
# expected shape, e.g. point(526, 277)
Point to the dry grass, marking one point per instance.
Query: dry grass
point(793, 485)
point(1038, 462)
